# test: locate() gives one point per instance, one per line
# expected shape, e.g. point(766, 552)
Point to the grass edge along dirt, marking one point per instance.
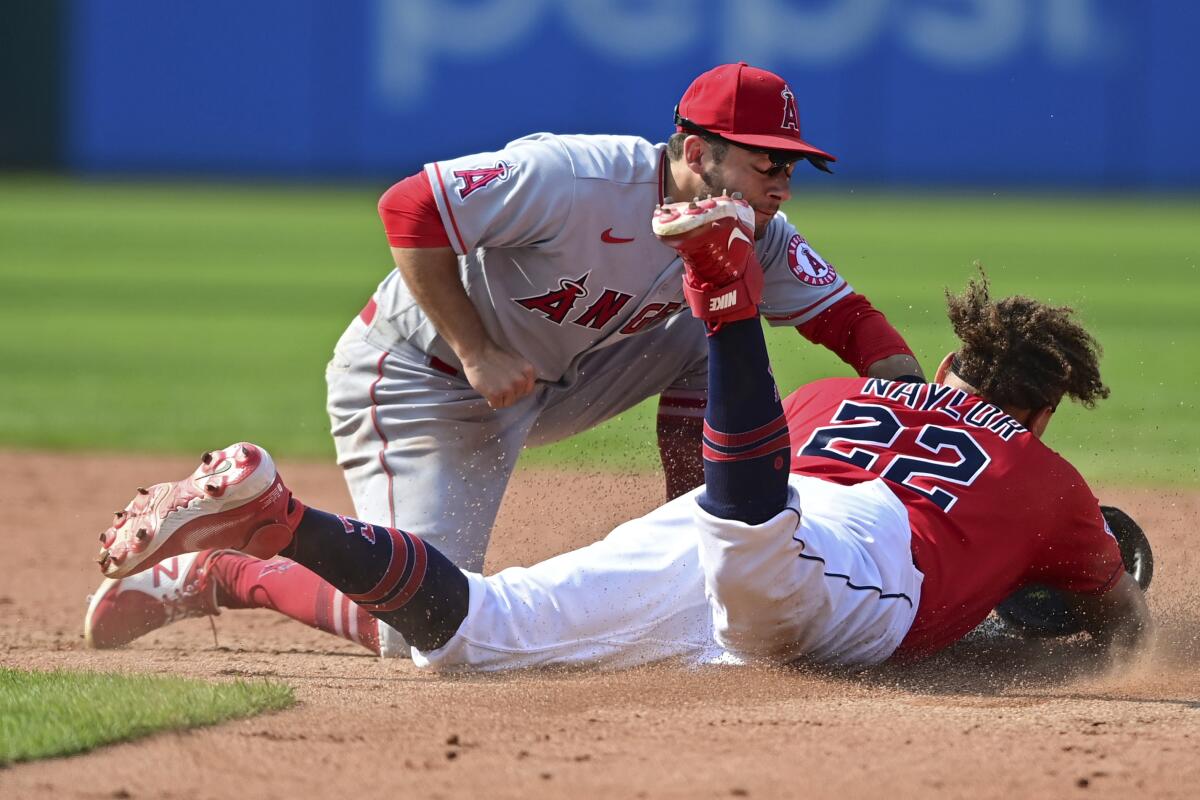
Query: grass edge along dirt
point(44, 714)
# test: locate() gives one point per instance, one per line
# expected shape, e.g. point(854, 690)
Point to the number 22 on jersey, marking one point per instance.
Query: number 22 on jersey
point(955, 458)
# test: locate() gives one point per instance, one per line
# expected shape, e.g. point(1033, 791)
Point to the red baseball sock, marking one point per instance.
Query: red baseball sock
point(291, 589)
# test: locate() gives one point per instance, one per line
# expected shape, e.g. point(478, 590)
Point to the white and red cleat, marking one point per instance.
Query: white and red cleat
point(235, 500)
point(722, 279)
point(125, 609)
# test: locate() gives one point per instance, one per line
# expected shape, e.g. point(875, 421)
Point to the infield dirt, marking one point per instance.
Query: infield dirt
point(992, 717)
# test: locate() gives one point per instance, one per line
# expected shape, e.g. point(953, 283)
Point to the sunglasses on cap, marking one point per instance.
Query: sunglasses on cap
point(780, 159)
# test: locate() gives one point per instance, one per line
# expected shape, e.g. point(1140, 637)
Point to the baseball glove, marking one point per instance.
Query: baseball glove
point(1038, 610)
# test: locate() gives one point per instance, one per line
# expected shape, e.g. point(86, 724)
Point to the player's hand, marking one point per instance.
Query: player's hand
point(501, 377)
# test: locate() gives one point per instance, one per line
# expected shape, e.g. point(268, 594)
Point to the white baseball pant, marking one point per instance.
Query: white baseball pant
point(830, 580)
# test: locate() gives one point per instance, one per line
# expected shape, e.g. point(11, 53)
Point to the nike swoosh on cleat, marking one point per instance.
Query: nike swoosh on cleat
point(608, 238)
point(736, 233)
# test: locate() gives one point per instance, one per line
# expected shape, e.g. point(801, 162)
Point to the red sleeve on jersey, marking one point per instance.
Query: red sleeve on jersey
point(410, 215)
point(856, 331)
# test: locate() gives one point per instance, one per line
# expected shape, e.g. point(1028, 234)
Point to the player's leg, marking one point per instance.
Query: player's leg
point(833, 582)
point(836, 583)
point(395, 576)
point(202, 584)
point(282, 585)
point(634, 597)
point(420, 449)
point(743, 515)
point(668, 360)
point(746, 451)
point(641, 589)
point(236, 500)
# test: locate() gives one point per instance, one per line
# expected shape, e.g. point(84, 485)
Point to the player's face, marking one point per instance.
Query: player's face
point(764, 184)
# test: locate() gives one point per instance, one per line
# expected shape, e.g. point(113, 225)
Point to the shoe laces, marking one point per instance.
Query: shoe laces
point(188, 600)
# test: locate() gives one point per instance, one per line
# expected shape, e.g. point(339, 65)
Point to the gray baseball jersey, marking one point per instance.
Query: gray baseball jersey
point(556, 252)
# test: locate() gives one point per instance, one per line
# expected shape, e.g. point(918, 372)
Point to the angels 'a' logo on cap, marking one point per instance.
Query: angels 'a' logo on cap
point(791, 119)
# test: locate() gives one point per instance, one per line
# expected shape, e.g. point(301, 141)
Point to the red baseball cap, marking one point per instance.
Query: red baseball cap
point(748, 106)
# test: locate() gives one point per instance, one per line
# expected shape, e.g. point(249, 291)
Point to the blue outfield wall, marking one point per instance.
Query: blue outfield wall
point(953, 92)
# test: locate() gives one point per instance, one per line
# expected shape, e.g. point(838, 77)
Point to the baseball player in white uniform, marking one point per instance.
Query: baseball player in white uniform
point(531, 301)
point(781, 555)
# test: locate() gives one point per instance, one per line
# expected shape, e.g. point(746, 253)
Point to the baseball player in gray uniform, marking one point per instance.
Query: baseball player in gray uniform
point(531, 301)
point(802, 544)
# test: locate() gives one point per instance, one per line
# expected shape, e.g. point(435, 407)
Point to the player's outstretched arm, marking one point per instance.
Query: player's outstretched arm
point(1118, 620)
point(859, 334)
point(431, 274)
point(896, 366)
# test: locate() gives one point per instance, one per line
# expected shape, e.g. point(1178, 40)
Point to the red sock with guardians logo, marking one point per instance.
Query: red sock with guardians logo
point(293, 590)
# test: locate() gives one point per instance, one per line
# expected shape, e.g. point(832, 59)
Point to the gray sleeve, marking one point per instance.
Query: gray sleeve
point(515, 197)
point(799, 284)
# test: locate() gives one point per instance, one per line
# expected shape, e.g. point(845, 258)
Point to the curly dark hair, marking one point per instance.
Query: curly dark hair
point(1021, 353)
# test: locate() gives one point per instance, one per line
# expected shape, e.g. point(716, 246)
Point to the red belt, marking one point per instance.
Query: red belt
point(368, 314)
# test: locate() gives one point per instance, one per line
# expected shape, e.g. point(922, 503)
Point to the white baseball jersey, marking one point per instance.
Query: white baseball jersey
point(556, 252)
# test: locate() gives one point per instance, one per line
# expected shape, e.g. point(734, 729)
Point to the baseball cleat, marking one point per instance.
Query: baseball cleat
point(234, 500)
point(125, 609)
point(722, 279)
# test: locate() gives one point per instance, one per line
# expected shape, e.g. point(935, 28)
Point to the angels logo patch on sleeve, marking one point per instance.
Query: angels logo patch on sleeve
point(472, 180)
point(807, 265)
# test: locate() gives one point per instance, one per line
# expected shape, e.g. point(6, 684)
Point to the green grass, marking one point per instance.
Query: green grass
point(45, 714)
point(178, 317)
